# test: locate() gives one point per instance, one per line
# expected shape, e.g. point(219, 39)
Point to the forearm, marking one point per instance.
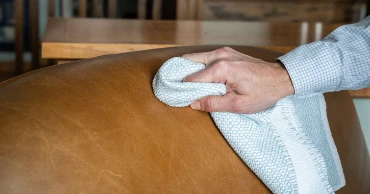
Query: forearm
point(341, 61)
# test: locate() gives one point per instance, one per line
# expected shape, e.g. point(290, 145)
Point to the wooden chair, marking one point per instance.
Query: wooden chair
point(273, 10)
point(112, 8)
point(34, 33)
point(34, 24)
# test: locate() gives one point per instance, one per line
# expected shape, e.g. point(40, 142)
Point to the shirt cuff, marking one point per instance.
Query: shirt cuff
point(313, 68)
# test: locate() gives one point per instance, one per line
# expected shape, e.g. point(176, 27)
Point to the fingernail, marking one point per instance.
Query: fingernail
point(195, 105)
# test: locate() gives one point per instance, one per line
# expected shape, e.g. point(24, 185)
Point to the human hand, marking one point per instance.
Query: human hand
point(252, 84)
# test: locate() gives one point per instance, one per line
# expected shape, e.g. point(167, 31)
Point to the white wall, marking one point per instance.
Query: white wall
point(363, 112)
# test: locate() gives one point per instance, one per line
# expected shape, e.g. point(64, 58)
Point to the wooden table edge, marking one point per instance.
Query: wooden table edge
point(56, 50)
point(67, 52)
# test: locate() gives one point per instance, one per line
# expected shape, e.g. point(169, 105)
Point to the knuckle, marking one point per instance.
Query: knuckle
point(223, 52)
point(227, 48)
point(220, 68)
point(221, 64)
point(209, 105)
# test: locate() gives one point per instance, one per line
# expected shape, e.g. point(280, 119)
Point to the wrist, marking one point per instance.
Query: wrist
point(284, 81)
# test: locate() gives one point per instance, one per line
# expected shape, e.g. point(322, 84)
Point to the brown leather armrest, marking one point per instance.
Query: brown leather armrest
point(94, 126)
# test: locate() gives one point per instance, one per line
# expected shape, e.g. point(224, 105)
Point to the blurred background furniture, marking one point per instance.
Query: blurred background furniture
point(65, 39)
point(95, 126)
point(273, 10)
point(26, 20)
point(22, 22)
point(29, 18)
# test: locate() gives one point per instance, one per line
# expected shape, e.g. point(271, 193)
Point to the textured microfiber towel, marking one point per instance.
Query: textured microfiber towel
point(288, 146)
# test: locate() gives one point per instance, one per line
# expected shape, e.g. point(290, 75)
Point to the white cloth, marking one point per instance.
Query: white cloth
point(289, 146)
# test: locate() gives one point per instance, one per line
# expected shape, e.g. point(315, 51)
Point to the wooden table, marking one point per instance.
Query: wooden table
point(79, 38)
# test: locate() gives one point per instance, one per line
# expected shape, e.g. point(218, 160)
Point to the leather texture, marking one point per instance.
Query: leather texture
point(95, 126)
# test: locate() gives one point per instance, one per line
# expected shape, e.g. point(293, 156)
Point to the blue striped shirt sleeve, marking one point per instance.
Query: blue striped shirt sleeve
point(341, 61)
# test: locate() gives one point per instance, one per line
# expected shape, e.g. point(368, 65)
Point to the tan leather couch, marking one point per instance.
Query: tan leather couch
point(94, 126)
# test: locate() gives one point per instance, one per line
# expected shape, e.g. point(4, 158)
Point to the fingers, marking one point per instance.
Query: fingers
point(208, 58)
point(204, 57)
point(215, 73)
point(200, 76)
point(230, 102)
point(216, 64)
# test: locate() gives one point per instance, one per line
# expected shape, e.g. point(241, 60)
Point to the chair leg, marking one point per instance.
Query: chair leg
point(141, 9)
point(156, 13)
point(82, 8)
point(97, 8)
point(51, 8)
point(34, 35)
point(112, 8)
point(18, 10)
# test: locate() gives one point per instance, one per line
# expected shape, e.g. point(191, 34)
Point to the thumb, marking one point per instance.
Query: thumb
point(214, 103)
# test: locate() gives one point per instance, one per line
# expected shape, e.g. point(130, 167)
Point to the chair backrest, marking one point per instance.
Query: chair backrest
point(97, 6)
point(273, 10)
point(19, 10)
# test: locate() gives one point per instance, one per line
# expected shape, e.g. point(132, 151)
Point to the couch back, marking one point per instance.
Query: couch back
point(94, 126)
